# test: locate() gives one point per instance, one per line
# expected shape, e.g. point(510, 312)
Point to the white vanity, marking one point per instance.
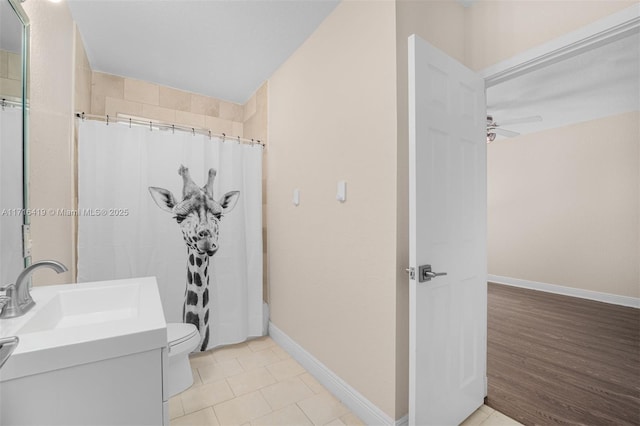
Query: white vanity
point(87, 351)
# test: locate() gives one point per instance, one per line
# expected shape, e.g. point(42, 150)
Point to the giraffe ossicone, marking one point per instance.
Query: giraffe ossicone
point(198, 214)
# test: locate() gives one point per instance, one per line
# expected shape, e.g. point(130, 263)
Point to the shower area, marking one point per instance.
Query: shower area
point(168, 186)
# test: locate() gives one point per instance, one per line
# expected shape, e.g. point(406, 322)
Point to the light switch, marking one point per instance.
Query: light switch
point(342, 191)
point(296, 197)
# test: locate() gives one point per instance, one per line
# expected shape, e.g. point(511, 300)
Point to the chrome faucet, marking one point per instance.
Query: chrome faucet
point(17, 297)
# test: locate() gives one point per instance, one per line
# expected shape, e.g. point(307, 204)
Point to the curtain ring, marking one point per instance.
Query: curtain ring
point(209, 134)
point(150, 127)
point(129, 122)
point(173, 128)
point(107, 119)
point(224, 136)
point(193, 130)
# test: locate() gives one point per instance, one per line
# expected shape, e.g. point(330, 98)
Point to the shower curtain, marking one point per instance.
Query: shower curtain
point(124, 232)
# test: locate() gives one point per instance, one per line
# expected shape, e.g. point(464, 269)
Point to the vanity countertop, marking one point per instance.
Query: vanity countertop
point(75, 324)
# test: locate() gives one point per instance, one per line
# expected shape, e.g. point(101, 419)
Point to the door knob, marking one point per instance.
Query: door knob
point(425, 273)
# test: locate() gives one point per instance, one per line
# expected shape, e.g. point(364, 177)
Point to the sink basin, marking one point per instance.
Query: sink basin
point(73, 324)
point(86, 306)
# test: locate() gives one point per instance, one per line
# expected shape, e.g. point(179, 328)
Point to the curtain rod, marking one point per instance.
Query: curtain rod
point(9, 103)
point(166, 126)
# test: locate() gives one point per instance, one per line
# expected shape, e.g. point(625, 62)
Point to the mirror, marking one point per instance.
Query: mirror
point(14, 31)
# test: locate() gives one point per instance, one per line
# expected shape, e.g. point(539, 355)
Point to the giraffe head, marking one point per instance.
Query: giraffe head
point(198, 214)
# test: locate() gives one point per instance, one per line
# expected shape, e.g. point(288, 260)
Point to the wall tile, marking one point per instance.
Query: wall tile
point(237, 129)
point(231, 111)
point(174, 99)
point(158, 113)
point(205, 105)
point(114, 106)
point(97, 103)
point(4, 64)
point(14, 63)
point(107, 85)
point(190, 119)
point(250, 107)
point(11, 88)
point(218, 125)
point(141, 91)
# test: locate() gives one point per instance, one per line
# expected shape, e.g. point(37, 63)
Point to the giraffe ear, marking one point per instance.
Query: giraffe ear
point(163, 198)
point(229, 200)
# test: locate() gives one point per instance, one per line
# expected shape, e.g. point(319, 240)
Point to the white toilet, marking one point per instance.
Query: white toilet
point(182, 339)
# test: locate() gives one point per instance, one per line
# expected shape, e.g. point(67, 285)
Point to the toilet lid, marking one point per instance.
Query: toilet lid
point(179, 332)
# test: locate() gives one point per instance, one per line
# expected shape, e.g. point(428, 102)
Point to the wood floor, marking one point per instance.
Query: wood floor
point(561, 360)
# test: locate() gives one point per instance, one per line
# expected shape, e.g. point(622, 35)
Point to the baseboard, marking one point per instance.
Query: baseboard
point(614, 299)
point(368, 412)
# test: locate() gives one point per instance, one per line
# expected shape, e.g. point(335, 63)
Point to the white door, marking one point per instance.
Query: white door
point(447, 186)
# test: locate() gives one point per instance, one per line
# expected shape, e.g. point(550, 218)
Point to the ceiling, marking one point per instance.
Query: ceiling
point(223, 49)
point(601, 82)
point(228, 48)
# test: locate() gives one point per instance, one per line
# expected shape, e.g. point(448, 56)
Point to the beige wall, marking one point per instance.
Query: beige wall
point(564, 206)
point(332, 116)
point(499, 29)
point(441, 23)
point(50, 134)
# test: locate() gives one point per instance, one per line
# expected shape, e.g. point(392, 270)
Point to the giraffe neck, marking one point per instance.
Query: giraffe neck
point(196, 300)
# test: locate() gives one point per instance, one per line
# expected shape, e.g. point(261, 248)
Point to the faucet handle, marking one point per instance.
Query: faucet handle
point(8, 289)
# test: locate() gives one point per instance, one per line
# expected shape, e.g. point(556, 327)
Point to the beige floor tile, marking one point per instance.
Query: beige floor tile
point(231, 351)
point(242, 409)
point(287, 392)
point(312, 383)
point(175, 407)
point(220, 370)
point(197, 381)
point(200, 359)
point(285, 369)
point(499, 419)
point(204, 417)
point(352, 420)
point(335, 422)
point(261, 343)
point(476, 418)
point(487, 409)
point(322, 408)
point(250, 381)
point(290, 415)
point(197, 398)
point(282, 354)
point(258, 359)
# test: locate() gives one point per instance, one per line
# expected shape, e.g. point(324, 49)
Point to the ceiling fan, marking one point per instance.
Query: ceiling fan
point(494, 128)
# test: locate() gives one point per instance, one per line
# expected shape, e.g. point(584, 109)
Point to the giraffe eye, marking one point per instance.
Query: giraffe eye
point(179, 218)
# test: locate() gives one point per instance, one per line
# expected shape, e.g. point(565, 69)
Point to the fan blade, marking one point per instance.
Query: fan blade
point(532, 119)
point(503, 132)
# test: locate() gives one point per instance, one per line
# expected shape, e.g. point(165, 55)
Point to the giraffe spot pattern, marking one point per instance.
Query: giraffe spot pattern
point(192, 298)
point(194, 319)
point(191, 260)
point(205, 342)
point(205, 298)
point(196, 279)
point(189, 277)
point(199, 263)
point(206, 317)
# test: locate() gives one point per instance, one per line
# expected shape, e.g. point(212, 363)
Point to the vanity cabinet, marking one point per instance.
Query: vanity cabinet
point(126, 390)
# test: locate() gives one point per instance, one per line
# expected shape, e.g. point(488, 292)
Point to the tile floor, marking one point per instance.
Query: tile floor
point(258, 383)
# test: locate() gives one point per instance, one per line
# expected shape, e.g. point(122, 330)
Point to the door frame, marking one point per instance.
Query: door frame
point(603, 31)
